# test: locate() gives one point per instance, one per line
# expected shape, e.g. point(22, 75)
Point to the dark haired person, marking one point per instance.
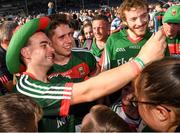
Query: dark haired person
point(157, 95)
point(6, 32)
point(101, 30)
point(56, 94)
point(77, 64)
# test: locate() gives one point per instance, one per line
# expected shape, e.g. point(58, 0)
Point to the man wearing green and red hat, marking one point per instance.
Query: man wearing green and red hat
point(171, 26)
point(32, 47)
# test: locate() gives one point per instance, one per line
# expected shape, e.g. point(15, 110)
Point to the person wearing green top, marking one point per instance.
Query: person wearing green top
point(77, 64)
point(35, 51)
point(122, 47)
point(171, 26)
point(101, 30)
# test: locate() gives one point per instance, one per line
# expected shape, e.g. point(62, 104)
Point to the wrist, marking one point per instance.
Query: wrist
point(140, 62)
point(137, 68)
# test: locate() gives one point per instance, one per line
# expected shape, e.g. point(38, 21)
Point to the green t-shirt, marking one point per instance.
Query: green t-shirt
point(94, 50)
point(119, 49)
point(80, 67)
point(54, 98)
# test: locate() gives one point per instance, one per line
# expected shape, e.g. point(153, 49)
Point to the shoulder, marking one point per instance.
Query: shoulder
point(115, 37)
point(80, 51)
point(83, 54)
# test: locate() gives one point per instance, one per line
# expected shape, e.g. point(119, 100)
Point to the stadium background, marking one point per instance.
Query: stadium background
point(31, 7)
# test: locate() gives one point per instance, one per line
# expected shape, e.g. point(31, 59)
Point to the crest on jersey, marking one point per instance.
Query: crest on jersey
point(81, 70)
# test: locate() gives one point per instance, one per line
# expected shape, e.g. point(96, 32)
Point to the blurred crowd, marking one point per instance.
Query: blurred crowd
point(110, 56)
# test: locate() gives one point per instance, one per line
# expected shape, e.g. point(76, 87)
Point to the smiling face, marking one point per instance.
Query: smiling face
point(171, 30)
point(137, 21)
point(62, 40)
point(88, 32)
point(39, 51)
point(100, 29)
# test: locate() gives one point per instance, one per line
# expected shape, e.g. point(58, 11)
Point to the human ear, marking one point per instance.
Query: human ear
point(161, 113)
point(25, 52)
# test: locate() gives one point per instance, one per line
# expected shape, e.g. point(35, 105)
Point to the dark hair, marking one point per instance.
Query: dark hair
point(159, 83)
point(19, 113)
point(103, 119)
point(128, 4)
point(101, 17)
point(56, 20)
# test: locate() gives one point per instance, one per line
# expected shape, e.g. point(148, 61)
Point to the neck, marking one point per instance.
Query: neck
point(132, 35)
point(61, 60)
point(39, 73)
point(100, 44)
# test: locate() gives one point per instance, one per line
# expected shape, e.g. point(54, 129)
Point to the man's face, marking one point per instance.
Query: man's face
point(88, 32)
point(171, 29)
point(62, 40)
point(39, 51)
point(100, 30)
point(137, 21)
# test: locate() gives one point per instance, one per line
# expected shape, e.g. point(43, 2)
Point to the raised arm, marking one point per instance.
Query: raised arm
point(110, 81)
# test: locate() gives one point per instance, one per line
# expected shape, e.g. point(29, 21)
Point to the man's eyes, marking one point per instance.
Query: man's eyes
point(43, 45)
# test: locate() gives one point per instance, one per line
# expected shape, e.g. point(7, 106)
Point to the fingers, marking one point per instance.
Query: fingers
point(160, 34)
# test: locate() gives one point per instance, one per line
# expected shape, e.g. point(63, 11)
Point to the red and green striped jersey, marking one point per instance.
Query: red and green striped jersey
point(54, 97)
point(81, 65)
point(120, 48)
point(174, 45)
point(95, 50)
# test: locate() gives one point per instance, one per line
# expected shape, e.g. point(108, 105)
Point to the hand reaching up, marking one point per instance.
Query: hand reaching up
point(154, 48)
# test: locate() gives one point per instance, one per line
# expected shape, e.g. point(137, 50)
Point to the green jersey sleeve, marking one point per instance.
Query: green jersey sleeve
point(54, 98)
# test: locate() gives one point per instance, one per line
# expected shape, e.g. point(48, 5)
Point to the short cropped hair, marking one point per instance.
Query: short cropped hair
point(57, 20)
point(101, 17)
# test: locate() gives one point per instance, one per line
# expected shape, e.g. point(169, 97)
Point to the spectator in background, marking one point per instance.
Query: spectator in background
point(19, 113)
point(102, 119)
point(158, 15)
point(51, 8)
point(88, 33)
point(171, 27)
point(116, 24)
point(81, 39)
point(75, 26)
point(6, 32)
point(101, 30)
